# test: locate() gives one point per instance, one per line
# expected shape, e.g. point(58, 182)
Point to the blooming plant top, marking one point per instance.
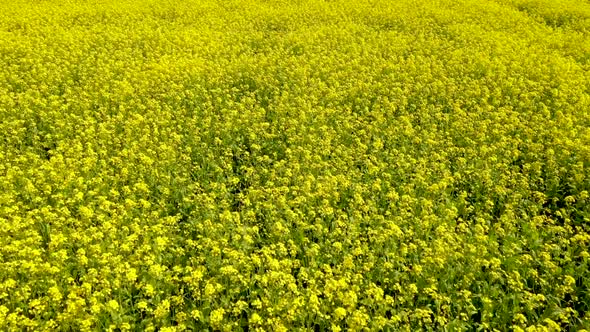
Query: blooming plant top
point(274, 165)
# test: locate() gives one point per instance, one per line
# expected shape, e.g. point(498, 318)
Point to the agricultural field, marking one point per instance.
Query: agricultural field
point(294, 165)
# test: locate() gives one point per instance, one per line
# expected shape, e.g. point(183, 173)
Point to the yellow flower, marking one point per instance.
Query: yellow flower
point(162, 309)
point(255, 319)
point(142, 305)
point(131, 274)
point(55, 294)
point(216, 317)
point(520, 318)
point(86, 212)
point(113, 305)
point(339, 313)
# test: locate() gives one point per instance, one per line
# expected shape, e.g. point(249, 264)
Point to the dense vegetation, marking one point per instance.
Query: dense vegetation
point(295, 165)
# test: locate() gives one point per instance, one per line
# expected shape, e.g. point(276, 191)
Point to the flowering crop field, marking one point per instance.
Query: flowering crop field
point(301, 165)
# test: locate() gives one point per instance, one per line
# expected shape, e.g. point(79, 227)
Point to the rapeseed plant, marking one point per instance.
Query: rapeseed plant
point(294, 165)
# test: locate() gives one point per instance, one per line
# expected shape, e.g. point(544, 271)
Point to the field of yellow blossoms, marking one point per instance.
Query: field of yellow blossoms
point(294, 165)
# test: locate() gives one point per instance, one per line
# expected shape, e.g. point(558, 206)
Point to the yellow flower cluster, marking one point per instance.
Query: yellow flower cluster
point(278, 165)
